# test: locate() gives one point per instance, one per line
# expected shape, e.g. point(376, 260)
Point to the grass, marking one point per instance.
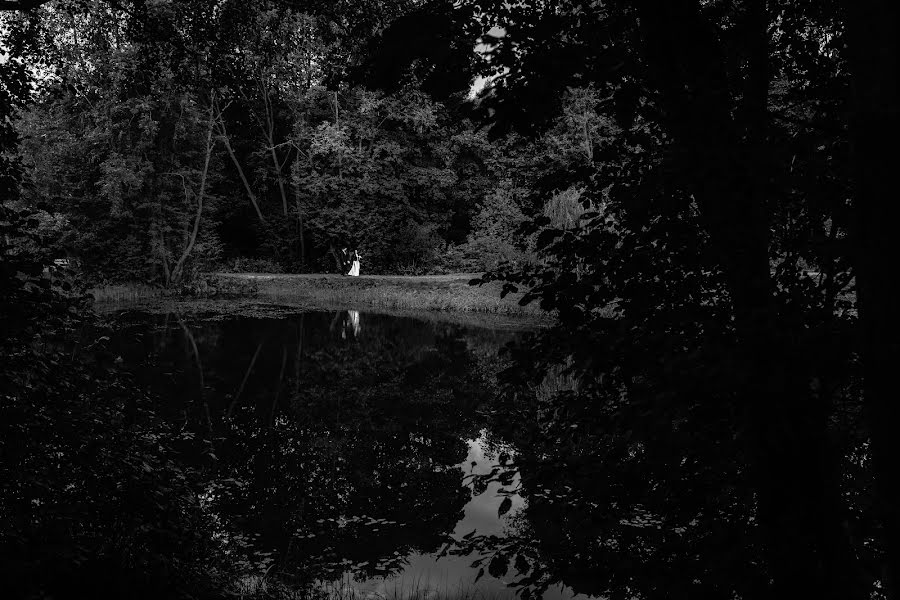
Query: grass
point(428, 292)
point(127, 292)
point(443, 298)
point(264, 587)
point(554, 382)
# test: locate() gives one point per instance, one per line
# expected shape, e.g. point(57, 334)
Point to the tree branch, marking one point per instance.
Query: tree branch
point(21, 4)
point(223, 134)
point(210, 142)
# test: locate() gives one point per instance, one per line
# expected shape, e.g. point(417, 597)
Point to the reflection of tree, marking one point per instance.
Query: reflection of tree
point(634, 496)
point(351, 454)
point(605, 527)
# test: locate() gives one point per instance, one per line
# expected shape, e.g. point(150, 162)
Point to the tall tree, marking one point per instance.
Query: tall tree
point(693, 87)
point(874, 52)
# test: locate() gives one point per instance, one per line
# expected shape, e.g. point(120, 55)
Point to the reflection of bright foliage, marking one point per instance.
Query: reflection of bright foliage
point(332, 456)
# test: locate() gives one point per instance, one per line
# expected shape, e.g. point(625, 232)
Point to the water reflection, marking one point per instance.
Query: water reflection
point(352, 326)
point(333, 460)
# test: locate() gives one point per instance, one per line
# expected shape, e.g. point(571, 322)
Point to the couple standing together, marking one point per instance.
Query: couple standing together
point(351, 261)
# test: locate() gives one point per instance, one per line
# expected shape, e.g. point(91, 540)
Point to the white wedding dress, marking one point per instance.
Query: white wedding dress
point(354, 268)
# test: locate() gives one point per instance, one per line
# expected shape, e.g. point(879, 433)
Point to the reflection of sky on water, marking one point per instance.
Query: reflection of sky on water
point(426, 576)
point(397, 394)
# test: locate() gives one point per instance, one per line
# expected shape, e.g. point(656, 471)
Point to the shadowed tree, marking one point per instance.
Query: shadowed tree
point(708, 96)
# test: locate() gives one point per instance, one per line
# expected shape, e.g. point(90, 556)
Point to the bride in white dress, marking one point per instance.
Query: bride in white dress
point(354, 265)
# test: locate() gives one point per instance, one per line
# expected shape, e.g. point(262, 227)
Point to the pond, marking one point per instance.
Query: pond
point(344, 444)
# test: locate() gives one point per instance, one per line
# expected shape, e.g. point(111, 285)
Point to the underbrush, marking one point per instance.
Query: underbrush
point(126, 292)
point(265, 587)
point(254, 265)
point(205, 286)
point(210, 286)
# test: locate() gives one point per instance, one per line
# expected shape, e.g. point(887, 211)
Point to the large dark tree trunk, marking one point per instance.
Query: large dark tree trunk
point(723, 145)
point(875, 57)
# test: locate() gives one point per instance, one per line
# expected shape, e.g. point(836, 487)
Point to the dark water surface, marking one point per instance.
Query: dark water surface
point(344, 442)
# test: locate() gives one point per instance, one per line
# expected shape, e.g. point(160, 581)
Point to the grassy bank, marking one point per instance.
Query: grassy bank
point(395, 588)
point(428, 292)
point(445, 295)
point(127, 292)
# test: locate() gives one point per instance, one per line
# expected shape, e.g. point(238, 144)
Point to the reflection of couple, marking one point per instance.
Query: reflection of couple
point(351, 324)
point(351, 261)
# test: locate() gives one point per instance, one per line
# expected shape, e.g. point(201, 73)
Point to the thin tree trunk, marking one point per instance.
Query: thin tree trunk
point(237, 395)
point(189, 336)
point(227, 142)
point(176, 271)
point(588, 143)
point(337, 126)
point(297, 197)
point(277, 167)
point(267, 125)
point(167, 273)
point(270, 138)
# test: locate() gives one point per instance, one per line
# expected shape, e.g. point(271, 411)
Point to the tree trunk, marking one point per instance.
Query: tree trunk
point(337, 126)
point(177, 269)
point(240, 390)
point(227, 142)
point(167, 273)
point(875, 127)
point(300, 233)
point(799, 507)
point(277, 167)
point(268, 127)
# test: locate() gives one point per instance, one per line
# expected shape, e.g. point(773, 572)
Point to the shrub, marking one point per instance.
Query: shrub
point(495, 236)
point(209, 286)
point(255, 265)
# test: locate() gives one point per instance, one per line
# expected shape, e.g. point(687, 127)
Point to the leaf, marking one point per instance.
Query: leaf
point(480, 573)
point(498, 566)
point(507, 288)
point(547, 236)
point(504, 506)
point(522, 565)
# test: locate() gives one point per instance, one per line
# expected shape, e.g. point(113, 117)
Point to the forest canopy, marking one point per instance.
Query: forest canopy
point(168, 138)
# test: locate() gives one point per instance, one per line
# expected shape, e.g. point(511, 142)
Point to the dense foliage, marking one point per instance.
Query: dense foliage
point(711, 419)
point(166, 139)
point(695, 189)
